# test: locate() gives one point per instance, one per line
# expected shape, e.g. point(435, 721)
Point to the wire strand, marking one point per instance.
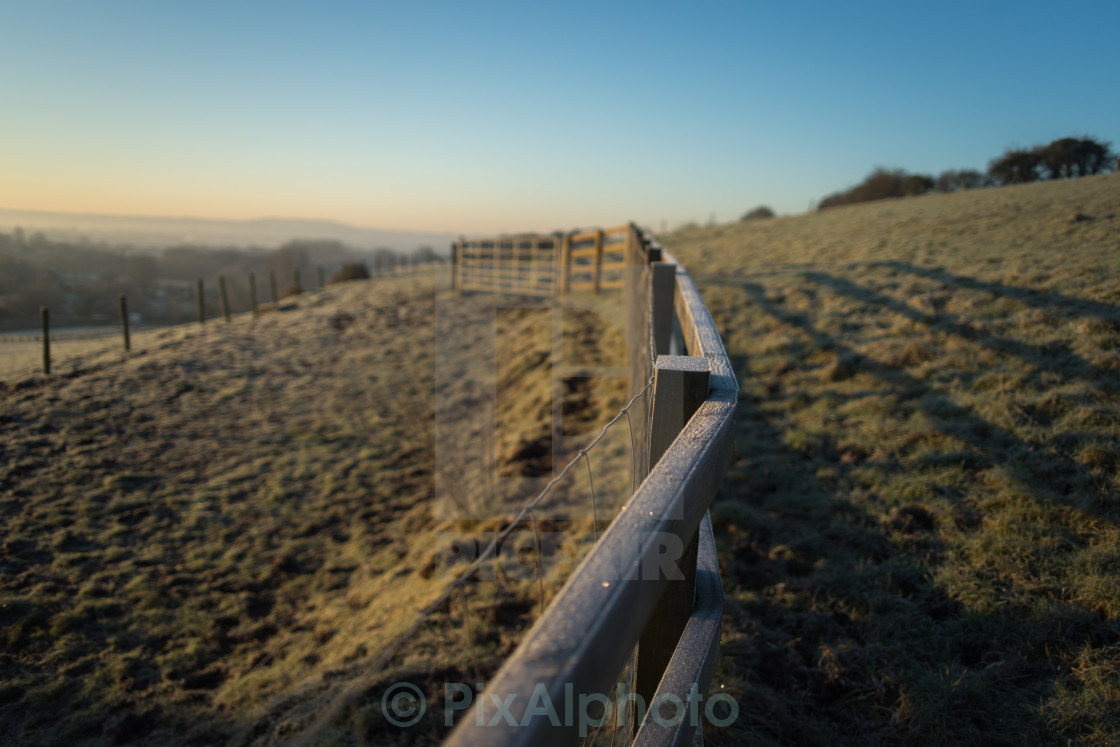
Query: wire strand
point(594, 499)
point(390, 650)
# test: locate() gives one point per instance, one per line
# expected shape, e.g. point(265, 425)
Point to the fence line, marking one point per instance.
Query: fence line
point(613, 602)
point(535, 265)
point(126, 326)
point(105, 316)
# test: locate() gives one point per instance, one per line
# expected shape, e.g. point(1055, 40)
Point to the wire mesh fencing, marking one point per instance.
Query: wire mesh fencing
point(70, 343)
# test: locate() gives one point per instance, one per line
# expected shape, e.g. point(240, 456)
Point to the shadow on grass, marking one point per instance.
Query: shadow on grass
point(1069, 306)
point(835, 632)
point(1054, 357)
point(1047, 468)
point(838, 629)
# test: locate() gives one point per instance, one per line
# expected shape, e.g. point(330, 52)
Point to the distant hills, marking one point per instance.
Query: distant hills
point(144, 232)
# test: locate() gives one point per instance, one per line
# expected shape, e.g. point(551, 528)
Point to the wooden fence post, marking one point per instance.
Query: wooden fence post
point(456, 271)
point(124, 323)
point(272, 285)
point(680, 386)
point(664, 288)
point(253, 294)
point(597, 272)
point(201, 304)
point(534, 263)
point(322, 278)
point(295, 281)
point(45, 319)
point(565, 264)
point(652, 248)
point(225, 297)
point(497, 265)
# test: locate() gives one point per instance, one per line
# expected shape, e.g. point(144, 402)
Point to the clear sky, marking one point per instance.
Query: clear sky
point(478, 116)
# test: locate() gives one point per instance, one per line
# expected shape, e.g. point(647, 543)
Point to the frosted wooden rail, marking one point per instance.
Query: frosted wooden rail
point(612, 601)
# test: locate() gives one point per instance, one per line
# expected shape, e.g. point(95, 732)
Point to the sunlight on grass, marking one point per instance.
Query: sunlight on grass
point(224, 535)
point(919, 529)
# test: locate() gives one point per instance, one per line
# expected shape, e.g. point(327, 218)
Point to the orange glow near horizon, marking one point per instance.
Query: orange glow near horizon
point(107, 199)
point(444, 211)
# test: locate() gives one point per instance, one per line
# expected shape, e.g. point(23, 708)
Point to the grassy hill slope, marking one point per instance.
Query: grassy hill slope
point(919, 533)
point(194, 530)
point(216, 538)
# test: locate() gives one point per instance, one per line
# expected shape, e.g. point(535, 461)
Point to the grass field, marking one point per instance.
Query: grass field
point(919, 533)
point(217, 538)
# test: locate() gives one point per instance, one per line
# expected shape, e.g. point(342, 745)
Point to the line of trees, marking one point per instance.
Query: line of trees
point(1064, 158)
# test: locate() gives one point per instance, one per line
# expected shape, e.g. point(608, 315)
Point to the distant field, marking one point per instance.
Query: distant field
point(919, 533)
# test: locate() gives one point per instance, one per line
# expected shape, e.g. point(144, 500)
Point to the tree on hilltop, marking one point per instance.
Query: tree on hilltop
point(881, 184)
point(1070, 157)
point(1065, 157)
point(1059, 158)
point(1092, 157)
point(954, 180)
point(917, 184)
point(1016, 166)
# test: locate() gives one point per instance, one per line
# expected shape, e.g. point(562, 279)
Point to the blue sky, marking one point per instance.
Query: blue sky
point(493, 116)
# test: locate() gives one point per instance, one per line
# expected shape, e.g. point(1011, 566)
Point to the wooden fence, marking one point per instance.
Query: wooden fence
point(613, 607)
point(549, 265)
